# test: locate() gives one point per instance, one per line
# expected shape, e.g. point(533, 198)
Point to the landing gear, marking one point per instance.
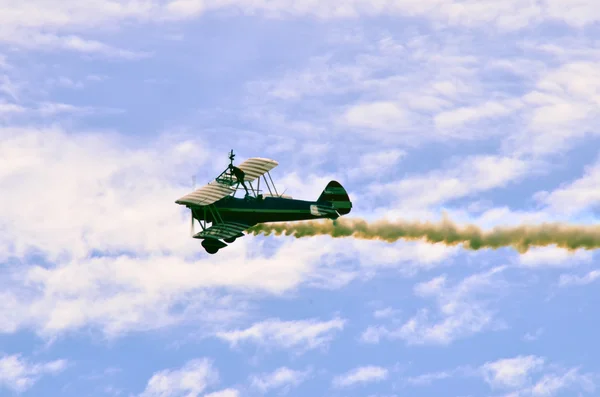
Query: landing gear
point(211, 250)
point(229, 240)
point(212, 246)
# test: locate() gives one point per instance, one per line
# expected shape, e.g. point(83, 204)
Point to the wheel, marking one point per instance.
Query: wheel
point(211, 250)
point(229, 240)
point(210, 247)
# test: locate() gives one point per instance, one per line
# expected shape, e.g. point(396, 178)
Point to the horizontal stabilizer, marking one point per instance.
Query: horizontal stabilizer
point(223, 230)
point(320, 210)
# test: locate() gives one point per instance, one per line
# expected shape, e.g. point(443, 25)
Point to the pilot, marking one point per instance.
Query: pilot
point(239, 175)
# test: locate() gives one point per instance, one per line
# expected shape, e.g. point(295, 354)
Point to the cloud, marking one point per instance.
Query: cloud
point(506, 16)
point(550, 384)
point(408, 256)
point(282, 378)
point(529, 337)
point(511, 372)
point(371, 164)
point(520, 376)
point(19, 374)
point(553, 257)
point(224, 393)
point(396, 86)
point(385, 313)
point(577, 196)
point(189, 381)
point(361, 375)
point(300, 334)
point(377, 115)
point(10, 109)
point(427, 379)
point(123, 186)
point(509, 15)
point(53, 42)
point(571, 279)
point(120, 294)
point(438, 89)
point(456, 118)
point(112, 266)
point(459, 313)
point(470, 175)
point(48, 110)
point(9, 87)
point(563, 108)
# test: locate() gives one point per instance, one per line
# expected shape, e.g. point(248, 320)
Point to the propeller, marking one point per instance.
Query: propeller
point(191, 212)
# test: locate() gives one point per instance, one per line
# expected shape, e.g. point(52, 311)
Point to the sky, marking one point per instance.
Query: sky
point(485, 111)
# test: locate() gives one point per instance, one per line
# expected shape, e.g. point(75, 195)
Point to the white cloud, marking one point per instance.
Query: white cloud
point(47, 110)
point(361, 375)
point(471, 175)
point(571, 279)
point(553, 257)
point(185, 8)
point(113, 266)
point(397, 85)
point(455, 118)
point(511, 372)
point(19, 375)
point(508, 15)
point(301, 334)
point(407, 256)
point(550, 384)
point(42, 26)
point(529, 337)
point(119, 294)
point(224, 393)
point(188, 381)
point(460, 313)
point(372, 165)
point(106, 191)
point(520, 376)
point(377, 115)
point(562, 108)
point(52, 42)
point(9, 87)
point(301, 186)
point(8, 109)
point(580, 195)
point(282, 378)
point(426, 379)
point(384, 313)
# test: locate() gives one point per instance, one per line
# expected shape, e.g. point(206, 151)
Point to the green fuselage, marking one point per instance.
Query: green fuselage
point(269, 209)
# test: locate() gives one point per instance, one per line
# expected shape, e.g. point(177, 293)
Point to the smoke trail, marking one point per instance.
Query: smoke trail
point(521, 238)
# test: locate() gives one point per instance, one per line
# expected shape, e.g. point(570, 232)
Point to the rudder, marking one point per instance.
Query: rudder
point(335, 194)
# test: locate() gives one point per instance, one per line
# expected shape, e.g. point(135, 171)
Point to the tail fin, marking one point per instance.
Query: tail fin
point(335, 194)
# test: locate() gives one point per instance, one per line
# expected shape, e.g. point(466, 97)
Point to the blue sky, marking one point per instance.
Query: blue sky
point(486, 111)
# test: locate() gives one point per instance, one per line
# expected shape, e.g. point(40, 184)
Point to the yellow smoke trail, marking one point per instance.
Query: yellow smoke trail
point(521, 238)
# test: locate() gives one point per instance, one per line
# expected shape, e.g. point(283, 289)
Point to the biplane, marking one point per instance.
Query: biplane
point(228, 216)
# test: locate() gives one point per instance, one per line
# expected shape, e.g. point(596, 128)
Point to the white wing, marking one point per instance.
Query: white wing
point(207, 194)
point(256, 167)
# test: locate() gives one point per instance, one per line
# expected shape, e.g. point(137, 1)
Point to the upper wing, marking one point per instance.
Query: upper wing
point(207, 194)
point(224, 230)
point(253, 168)
point(257, 166)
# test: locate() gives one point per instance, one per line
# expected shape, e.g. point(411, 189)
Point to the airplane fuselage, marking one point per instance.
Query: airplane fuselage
point(269, 209)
